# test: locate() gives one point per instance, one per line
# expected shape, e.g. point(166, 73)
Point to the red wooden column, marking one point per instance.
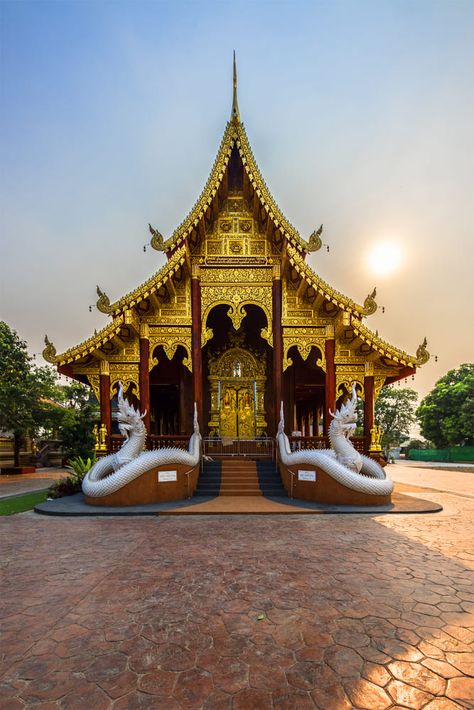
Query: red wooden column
point(368, 406)
point(330, 386)
point(277, 342)
point(196, 340)
point(105, 410)
point(144, 374)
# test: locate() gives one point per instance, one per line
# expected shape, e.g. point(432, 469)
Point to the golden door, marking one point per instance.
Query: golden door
point(237, 409)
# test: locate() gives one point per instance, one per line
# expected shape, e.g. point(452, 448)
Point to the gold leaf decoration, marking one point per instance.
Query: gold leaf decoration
point(422, 354)
point(49, 353)
point(103, 302)
point(370, 305)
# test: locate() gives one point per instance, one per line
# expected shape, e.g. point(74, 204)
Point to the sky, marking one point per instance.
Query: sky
point(360, 115)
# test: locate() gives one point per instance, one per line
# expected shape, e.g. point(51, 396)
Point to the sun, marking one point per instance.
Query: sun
point(384, 258)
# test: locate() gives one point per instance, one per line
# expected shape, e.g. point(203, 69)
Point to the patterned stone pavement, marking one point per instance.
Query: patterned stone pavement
point(241, 612)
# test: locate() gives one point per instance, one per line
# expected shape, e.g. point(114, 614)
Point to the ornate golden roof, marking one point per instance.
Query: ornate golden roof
point(153, 284)
point(235, 135)
point(118, 311)
point(177, 251)
point(329, 293)
point(85, 348)
point(389, 351)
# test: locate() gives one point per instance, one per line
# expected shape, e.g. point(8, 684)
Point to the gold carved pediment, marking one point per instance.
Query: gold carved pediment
point(237, 363)
point(304, 339)
point(237, 296)
point(170, 338)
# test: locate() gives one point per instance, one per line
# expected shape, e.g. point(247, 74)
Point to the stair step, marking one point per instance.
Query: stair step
point(246, 486)
point(239, 492)
point(239, 478)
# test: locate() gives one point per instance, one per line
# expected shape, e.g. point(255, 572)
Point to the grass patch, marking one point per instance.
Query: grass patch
point(18, 504)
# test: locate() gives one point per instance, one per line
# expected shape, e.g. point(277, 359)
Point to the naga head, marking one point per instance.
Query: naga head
point(128, 419)
point(347, 414)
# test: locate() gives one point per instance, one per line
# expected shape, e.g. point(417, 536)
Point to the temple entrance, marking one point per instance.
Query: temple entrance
point(237, 410)
point(237, 376)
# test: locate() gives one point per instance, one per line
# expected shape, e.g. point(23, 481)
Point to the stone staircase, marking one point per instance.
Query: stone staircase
point(239, 477)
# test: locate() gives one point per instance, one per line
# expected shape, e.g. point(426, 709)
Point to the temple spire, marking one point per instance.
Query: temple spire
point(235, 115)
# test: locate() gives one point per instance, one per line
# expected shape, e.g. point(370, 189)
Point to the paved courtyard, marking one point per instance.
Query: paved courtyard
point(242, 612)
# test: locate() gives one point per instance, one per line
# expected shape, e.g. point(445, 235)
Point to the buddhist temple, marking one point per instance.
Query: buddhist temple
point(237, 321)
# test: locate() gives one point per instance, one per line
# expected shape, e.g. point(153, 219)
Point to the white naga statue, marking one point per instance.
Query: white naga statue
point(343, 463)
point(112, 472)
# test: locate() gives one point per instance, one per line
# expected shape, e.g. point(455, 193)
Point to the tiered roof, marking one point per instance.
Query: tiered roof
point(176, 248)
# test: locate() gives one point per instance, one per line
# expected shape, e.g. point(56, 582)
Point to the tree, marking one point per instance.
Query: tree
point(395, 413)
point(81, 414)
point(26, 391)
point(446, 414)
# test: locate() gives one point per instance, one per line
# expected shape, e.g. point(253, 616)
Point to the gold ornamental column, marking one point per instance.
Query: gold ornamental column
point(144, 374)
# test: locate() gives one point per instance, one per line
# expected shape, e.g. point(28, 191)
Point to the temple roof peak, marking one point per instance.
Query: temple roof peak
point(235, 115)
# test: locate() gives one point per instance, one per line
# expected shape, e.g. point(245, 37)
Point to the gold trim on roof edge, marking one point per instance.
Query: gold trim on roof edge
point(235, 135)
point(152, 284)
point(358, 312)
point(88, 346)
point(312, 278)
point(385, 349)
point(266, 198)
point(113, 328)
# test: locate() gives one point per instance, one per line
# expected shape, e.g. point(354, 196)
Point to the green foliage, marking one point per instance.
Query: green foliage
point(27, 392)
point(80, 415)
point(73, 483)
point(32, 400)
point(395, 412)
point(446, 414)
point(80, 466)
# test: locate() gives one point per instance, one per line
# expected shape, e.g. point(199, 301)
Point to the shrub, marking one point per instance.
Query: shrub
point(72, 484)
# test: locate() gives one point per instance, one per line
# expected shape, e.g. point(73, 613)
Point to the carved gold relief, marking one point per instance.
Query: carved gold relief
point(49, 353)
point(128, 375)
point(170, 338)
point(94, 381)
point(206, 335)
point(378, 385)
point(238, 296)
point(212, 276)
point(236, 247)
point(347, 382)
point(236, 205)
point(422, 354)
point(370, 305)
point(304, 339)
point(237, 387)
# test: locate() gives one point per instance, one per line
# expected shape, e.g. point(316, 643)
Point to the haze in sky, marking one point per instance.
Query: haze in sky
point(360, 115)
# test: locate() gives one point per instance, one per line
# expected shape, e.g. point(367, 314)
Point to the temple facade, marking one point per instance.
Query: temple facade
point(236, 321)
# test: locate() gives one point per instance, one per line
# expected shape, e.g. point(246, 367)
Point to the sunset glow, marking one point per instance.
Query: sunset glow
point(384, 258)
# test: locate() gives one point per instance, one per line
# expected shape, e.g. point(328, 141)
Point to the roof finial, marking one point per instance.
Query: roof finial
point(235, 115)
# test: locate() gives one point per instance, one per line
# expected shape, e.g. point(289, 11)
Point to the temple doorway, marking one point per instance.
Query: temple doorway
point(236, 372)
point(304, 393)
point(170, 394)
